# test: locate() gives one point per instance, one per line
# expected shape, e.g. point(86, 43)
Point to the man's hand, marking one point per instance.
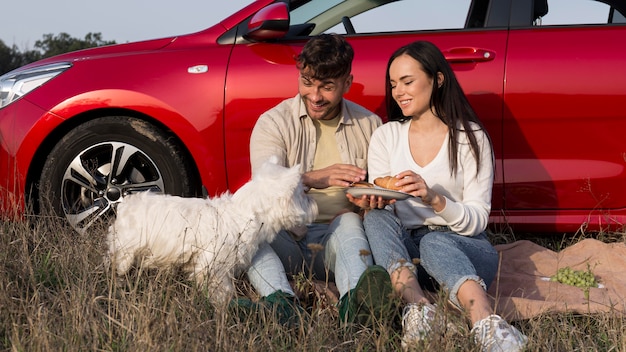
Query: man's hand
point(340, 175)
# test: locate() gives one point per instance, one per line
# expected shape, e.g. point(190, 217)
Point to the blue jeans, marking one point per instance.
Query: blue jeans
point(450, 259)
point(344, 256)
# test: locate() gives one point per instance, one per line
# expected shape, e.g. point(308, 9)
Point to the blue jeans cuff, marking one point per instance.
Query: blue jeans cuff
point(455, 290)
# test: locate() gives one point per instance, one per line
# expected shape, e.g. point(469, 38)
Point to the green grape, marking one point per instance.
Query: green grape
point(578, 278)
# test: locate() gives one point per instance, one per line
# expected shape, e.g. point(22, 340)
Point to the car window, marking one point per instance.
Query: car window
point(410, 15)
point(369, 16)
point(304, 12)
point(576, 12)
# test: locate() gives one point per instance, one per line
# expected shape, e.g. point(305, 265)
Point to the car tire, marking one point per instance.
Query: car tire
point(96, 164)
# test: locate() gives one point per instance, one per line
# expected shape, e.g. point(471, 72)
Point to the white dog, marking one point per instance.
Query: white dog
point(213, 239)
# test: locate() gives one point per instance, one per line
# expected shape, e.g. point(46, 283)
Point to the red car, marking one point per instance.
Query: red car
point(81, 130)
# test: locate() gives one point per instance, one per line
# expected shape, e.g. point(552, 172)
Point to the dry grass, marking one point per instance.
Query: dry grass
point(56, 295)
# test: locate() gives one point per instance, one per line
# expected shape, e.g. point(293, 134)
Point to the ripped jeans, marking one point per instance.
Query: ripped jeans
point(448, 258)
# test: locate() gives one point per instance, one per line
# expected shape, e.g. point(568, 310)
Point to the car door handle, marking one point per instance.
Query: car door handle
point(468, 55)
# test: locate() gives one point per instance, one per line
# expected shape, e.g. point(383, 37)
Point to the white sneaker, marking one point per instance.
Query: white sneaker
point(494, 334)
point(416, 323)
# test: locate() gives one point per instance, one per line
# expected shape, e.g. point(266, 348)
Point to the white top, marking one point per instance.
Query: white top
point(468, 196)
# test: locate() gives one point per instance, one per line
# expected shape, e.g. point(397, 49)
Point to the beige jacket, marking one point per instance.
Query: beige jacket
point(287, 132)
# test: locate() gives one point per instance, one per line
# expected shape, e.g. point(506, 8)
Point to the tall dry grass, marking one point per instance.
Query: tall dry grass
point(55, 294)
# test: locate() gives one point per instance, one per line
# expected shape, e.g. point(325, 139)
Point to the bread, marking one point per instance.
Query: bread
point(362, 184)
point(387, 182)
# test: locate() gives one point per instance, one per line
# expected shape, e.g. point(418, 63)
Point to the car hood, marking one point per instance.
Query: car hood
point(107, 50)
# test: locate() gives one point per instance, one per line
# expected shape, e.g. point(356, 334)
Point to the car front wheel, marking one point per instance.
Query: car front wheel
point(94, 166)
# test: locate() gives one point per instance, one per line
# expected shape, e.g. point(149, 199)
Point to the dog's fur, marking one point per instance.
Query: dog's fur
point(215, 239)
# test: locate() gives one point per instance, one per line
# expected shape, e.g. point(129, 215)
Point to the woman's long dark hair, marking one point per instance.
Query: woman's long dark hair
point(448, 101)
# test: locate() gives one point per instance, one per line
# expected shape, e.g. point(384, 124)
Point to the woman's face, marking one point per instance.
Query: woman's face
point(411, 88)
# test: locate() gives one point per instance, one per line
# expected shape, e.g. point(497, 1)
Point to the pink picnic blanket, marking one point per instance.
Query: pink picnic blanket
point(522, 290)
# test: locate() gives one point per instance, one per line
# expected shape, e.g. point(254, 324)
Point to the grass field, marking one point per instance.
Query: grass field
point(55, 295)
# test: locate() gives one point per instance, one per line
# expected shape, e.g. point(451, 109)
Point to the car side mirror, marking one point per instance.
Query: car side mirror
point(271, 22)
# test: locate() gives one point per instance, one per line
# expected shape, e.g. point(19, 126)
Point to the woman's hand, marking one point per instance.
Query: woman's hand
point(415, 185)
point(366, 202)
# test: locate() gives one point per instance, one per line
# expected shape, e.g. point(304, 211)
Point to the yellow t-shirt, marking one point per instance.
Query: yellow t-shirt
point(332, 200)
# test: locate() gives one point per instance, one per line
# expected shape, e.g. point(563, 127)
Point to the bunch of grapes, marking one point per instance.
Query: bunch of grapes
point(578, 278)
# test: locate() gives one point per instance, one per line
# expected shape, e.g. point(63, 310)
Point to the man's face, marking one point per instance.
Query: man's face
point(322, 98)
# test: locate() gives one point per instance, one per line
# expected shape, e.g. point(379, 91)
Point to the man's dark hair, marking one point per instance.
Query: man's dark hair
point(326, 56)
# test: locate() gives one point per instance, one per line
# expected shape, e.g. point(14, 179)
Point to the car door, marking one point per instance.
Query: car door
point(262, 74)
point(476, 54)
point(564, 117)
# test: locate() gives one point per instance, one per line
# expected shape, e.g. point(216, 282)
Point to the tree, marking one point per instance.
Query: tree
point(11, 58)
point(63, 43)
point(5, 57)
point(50, 45)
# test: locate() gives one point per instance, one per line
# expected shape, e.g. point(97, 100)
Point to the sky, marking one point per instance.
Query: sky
point(22, 22)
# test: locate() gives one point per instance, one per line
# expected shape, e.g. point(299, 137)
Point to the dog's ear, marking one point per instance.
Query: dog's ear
point(295, 175)
point(268, 168)
point(296, 169)
point(281, 176)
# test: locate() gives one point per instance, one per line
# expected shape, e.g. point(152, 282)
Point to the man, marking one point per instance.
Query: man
point(329, 137)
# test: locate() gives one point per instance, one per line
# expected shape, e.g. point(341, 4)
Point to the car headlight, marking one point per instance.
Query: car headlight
point(20, 82)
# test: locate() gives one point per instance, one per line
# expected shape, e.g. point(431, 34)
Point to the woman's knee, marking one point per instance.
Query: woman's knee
point(436, 240)
point(378, 221)
point(377, 215)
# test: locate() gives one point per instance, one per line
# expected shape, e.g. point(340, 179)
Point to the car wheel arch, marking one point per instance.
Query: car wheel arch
point(46, 146)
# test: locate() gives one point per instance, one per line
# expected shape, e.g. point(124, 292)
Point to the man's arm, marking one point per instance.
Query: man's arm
point(266, 141)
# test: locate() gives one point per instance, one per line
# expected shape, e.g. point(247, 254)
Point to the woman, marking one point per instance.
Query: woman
point(439, 152)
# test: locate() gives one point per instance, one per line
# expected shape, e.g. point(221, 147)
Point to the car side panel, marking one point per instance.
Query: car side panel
point(481, 80)
point(260, 76)
point(564, 120)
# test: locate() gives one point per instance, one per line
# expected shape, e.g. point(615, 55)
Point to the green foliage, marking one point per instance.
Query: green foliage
point(10, 58)
point(51, 45)
point(54, 45)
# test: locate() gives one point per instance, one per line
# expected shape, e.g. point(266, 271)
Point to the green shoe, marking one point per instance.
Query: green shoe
point(285, 308)
point(244, 309)
point(370, 300)
point(347, 308)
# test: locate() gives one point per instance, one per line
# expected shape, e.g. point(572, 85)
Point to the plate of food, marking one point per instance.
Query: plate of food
point(382, 187)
